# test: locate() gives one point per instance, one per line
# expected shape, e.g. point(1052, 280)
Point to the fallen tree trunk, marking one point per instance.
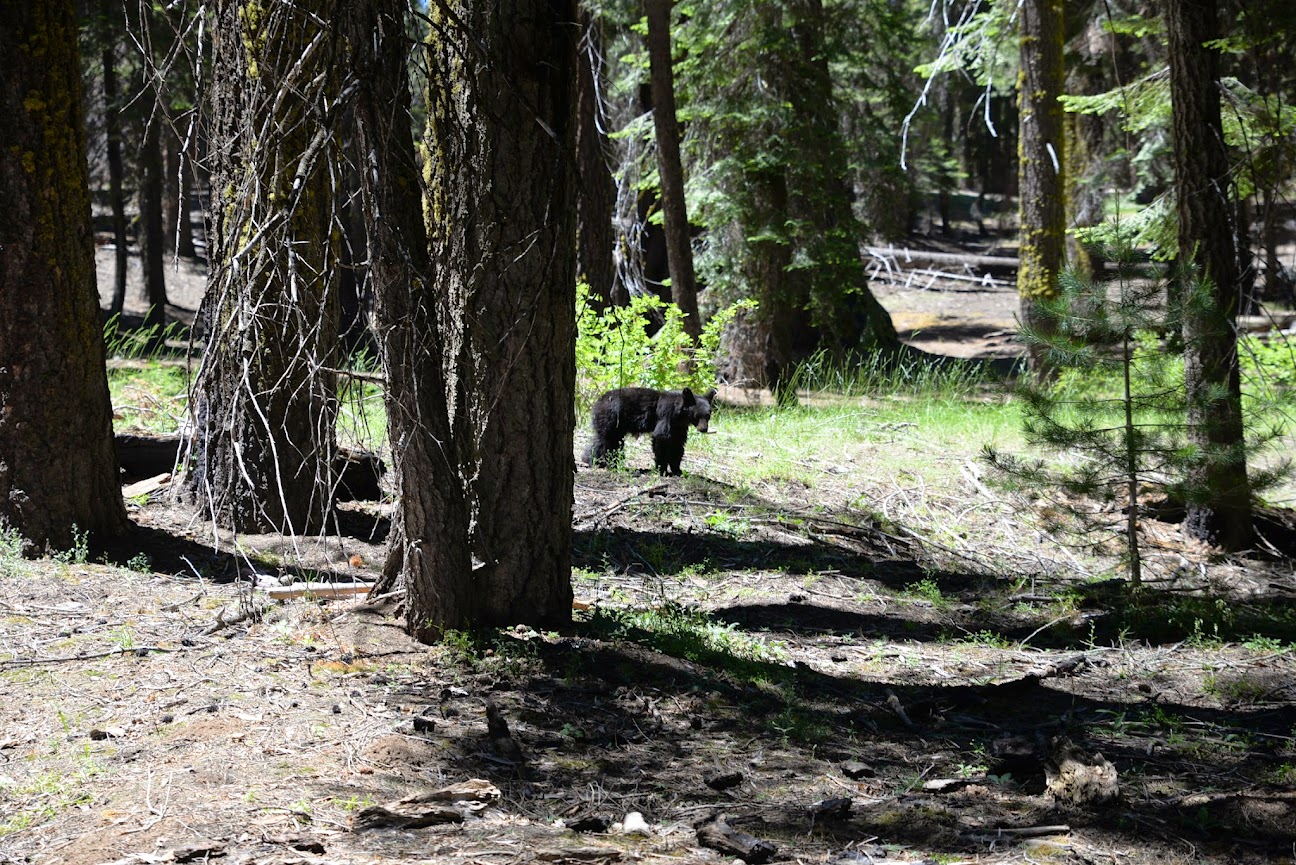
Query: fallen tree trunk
point(900, 257)
point(141, 457)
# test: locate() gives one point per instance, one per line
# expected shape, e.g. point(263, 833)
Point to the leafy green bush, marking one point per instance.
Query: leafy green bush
point(614, 348)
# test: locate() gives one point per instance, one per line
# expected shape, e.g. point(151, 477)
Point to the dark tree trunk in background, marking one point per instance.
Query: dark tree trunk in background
point(1219, 506)
point(670, 169)
point(1086, 159)
point(428, 546)
point(501, 148)
point(596, 190)
point(1042, 151)
point(264, 398)
point(58, 468)
point(801, 209)
point(152, 233)
point(185, 247)
point(108, 17)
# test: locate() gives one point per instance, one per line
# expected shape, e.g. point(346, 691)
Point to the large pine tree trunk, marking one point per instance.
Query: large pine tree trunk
point(501, 139)
point(265, 394)
point(596, 190)
point(58, 469)
point(1219, 506)
point(429, 541)
point(670, 168)
point(1042, 177)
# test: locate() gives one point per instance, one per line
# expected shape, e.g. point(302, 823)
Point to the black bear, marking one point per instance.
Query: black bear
point(667, 415)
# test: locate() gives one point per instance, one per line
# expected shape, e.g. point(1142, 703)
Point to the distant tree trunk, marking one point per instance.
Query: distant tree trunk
point(670, 169)
point(170, 189)
point(58, 468)
point(596, 190)
point(429, 550)
point(112, 128)
point(801, 209)
point(1086, 160)
point(503, 204)
point(185, 247)
point(264, 398)
point(1042, 173)
point(152, 233)
point(1219, 506)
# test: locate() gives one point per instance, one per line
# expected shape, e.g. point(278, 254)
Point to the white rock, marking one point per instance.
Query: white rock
point(635, 824)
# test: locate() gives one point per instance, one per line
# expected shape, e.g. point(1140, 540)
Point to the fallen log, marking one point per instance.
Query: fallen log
point(719, 835)
point(142, 457)
point(908, 256)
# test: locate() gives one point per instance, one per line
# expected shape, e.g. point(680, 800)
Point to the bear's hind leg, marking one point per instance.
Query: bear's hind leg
point(605, 453)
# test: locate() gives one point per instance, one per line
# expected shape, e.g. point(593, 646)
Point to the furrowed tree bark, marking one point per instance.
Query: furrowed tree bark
point(429, 551)
point(1041, 142)
point(265, 397)
point(1219, 506)
point(670, 168)
point(58, 469)
point(596, 190)
point(501, 151)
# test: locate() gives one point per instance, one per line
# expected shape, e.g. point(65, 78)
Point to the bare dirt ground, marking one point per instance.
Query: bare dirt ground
point(810, 665)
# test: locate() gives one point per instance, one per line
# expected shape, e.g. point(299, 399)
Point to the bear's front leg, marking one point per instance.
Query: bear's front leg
point(668, 451)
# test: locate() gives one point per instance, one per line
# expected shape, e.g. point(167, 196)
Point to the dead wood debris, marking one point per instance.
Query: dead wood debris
point(605, 512)
point(1079, 778)
point(416, 812)
point(717, 834)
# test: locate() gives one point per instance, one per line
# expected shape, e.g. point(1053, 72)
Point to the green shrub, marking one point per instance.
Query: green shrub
point(614, 348)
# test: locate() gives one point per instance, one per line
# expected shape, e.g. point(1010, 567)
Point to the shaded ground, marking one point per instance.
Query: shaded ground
point(814, 652)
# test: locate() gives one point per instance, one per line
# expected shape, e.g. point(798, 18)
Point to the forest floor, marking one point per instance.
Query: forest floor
point(854, 663)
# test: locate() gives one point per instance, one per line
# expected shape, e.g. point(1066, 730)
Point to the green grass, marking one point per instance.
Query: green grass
point(149, 397)
point(878, 438)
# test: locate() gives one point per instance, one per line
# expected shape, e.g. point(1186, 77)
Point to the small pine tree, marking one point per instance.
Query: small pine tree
point(1116, 412)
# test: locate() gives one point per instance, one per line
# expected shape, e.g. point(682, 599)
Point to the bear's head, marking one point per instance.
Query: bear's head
point(698, 408)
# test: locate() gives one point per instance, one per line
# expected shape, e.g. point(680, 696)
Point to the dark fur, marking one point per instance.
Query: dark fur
point(666, 415)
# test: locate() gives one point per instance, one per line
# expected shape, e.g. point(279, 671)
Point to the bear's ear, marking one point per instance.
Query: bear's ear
point(689, 399)
point(710, 395)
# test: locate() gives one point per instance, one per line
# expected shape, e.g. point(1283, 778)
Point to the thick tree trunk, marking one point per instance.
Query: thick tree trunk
point(596, 190)
point(1219, 506)
point(429, 542)
point(152, 231)
point(112, 129)
point(58, 470)
point(1042, 178)
point(670, 169)
point(265, 394)
point(503, 204)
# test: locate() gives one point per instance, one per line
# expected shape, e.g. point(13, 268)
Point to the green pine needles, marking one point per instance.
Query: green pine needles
point(1115, 415)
